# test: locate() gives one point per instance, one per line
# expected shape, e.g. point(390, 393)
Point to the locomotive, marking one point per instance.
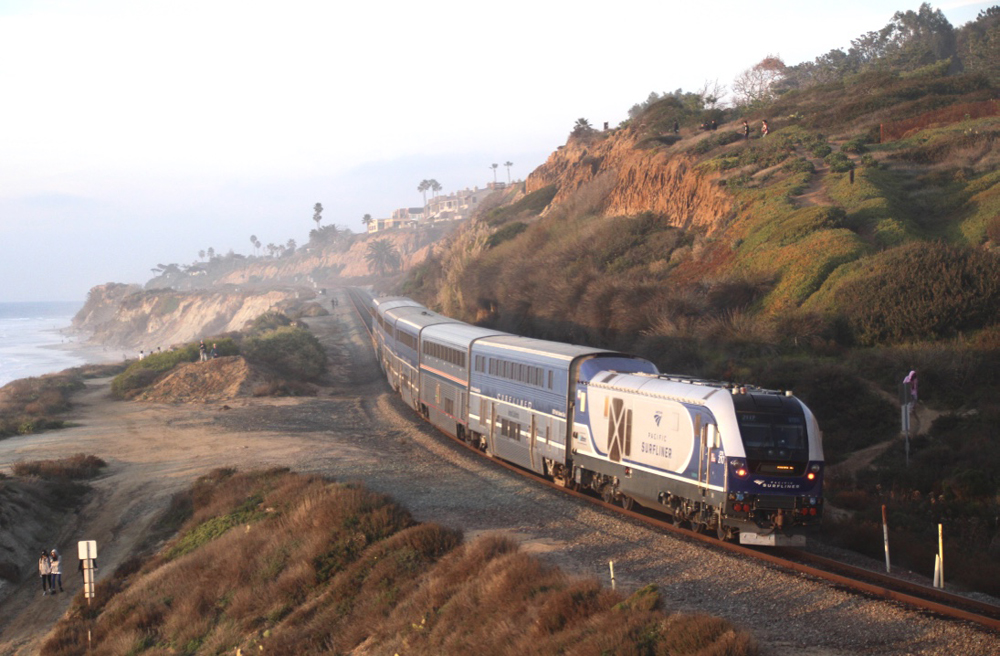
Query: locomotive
point(742, 461)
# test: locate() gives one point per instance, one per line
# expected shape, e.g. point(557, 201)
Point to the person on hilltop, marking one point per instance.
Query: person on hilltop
point(763, 128)
point(55, 573)
point(202, 352)
point(746, 130)
point(44, 570)
point(215, 351)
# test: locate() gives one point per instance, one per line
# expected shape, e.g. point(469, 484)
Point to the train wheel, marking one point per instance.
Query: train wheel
point(607, 494)
point(723, 532)
point(626, 502)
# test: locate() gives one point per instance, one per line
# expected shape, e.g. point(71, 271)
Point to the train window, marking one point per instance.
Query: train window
point(449, 407)
point(550, 380)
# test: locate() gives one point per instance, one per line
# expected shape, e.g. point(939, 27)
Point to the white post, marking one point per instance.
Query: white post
point(885, 536)
point(87, 552)
point(611, 564)
point(941, 552)
point(937, 571)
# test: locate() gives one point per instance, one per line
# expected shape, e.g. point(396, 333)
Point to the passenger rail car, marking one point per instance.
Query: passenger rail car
point(739, 460)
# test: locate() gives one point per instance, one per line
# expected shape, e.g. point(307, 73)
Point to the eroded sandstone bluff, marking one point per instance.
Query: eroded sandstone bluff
point(637, 177)
point(125, 316)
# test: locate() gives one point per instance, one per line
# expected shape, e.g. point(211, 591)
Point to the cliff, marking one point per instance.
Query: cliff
point(341, 261)
point(122, 316)
point(640, 179)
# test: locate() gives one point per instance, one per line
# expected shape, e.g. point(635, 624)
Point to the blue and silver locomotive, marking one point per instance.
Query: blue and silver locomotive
point(734, 459)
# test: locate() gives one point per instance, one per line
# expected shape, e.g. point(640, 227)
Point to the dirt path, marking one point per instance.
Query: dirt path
point(357, 430)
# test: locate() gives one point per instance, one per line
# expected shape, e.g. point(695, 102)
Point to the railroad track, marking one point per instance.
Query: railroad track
point(850, 577)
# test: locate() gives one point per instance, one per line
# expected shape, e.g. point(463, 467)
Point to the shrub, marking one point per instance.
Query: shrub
point(531, 205)
point(506, 233)
point(921, 291)
point(838, 162)
point(868, 161)
point(799, 165)
point(856, 146)
point(993, 230)
point(77, 467)
point(269, 321)
point(821, 150)
point(289, 351)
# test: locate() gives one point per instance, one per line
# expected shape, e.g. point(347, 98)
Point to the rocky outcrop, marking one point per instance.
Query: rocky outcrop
point(147, 320)
point(660, 179)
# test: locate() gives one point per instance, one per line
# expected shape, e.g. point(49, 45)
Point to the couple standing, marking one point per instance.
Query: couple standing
point(49, 568)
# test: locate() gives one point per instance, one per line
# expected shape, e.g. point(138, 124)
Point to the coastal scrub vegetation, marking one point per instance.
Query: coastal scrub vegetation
point(288, 352)
point(33, 405)
point(276, 562)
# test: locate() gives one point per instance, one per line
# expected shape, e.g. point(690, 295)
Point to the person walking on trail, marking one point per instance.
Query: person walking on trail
point(746, 131)
point(215, 351)
point(763, 128)
point(202, 352)
point(44, 571)
point(55, 572)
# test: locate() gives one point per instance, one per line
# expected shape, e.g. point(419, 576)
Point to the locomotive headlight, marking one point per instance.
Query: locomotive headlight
point(739, 467)
point(813, 471)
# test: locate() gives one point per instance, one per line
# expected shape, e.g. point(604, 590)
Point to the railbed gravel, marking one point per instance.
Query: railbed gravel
point(365, 433)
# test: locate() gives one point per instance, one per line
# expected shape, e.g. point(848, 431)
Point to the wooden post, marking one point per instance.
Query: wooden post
point(611, 564)
point(885, 535)
point(941, 552)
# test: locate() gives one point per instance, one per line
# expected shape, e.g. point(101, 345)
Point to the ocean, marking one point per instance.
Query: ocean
point(30, 340)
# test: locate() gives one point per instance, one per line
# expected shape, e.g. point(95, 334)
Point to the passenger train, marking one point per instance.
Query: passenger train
point(734, 459)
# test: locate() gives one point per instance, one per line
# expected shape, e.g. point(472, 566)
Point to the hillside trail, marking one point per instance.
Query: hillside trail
point(815, 192)
point(154, 451)
point(920, 422)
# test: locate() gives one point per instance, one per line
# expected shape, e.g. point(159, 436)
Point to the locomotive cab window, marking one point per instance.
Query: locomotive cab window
point(773, 436)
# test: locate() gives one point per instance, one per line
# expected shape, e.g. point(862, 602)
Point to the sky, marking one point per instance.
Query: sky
point(139, 132)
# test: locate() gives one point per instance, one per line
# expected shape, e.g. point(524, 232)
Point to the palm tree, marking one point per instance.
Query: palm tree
point(290, 245)
point(201, 254)
point(508, 164)
point(253, 242)
point(317, 213)
point(494, 167)
point(434, 186)
point(423, 187)
point(367, 220)
point(383, 258)
point(210, 252)
point(256, 243)
point(581, 128)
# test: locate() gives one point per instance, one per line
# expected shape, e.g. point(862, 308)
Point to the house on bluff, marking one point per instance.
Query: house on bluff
point(450, 207)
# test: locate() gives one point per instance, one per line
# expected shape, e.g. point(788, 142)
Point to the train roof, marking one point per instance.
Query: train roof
point(458, 334)
point(422, 317)
point(383, 305)
point(539, 347)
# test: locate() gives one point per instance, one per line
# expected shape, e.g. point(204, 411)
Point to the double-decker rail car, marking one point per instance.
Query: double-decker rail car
point(444, 373)
point(736, 459)
point(520, 394)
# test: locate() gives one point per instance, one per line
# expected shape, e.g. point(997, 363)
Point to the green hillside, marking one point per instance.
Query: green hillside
point(857, 240)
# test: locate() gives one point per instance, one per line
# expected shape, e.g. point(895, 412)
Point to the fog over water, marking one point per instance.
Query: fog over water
point(28, 333)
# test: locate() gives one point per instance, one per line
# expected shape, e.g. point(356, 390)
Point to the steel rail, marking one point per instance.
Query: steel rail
point(853, 578)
